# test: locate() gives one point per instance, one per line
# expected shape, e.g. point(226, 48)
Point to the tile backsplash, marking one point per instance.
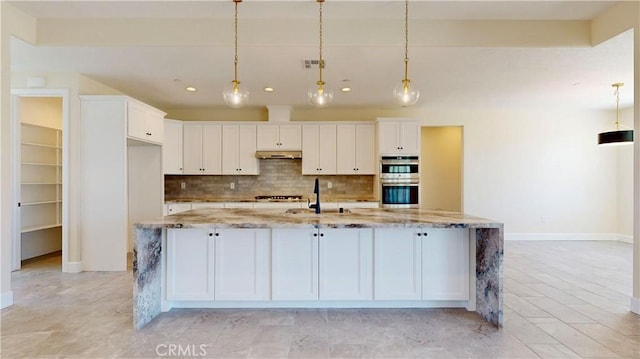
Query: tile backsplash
point(277, 177)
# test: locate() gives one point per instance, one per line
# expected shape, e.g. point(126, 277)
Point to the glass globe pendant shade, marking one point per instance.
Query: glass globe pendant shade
point(405, 95)
point(319, 96)
point(235, 95)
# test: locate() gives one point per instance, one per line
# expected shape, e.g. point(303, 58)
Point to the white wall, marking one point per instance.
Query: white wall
point(625, 181)
point(538, 171)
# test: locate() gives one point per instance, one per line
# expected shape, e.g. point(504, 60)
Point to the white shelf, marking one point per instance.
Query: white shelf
point(40, 183)
point(40, 164)
point(40, 145)
point(36, 203)
point(38, 228)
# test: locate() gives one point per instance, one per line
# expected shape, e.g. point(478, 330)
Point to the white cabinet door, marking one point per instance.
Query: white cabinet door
point(268, 137)
point(247, 161)
point(356, 149)
point(445, 264)
point(319, 149)
point(202, 149)
point(346, 149)
point(290, 137)
point(365, 150)
point(398, 267)
point(190, 259)
point(211, 149)
point(279, 137)
point(172, 148)
point(144, 123)
point(243, 264)
point(192, 149)
point(399, 137)
point(294, 263)
point(136, 120)
point(409, 137)
point(346, 264)
point(155, 126)
point(239, 150)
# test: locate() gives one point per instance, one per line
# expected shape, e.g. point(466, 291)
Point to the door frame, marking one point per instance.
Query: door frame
point(15, 158)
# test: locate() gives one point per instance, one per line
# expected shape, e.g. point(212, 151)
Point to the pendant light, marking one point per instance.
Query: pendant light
point(235, 95)
point(617, 136)
point(403, 94)
point(319, 96)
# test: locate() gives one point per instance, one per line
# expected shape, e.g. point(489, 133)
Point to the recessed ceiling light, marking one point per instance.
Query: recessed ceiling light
point(190, 89)
point(345, 89)
point(269, 89)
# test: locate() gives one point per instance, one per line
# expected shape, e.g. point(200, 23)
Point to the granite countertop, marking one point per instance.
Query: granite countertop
point(219, 200)
point(357, 218)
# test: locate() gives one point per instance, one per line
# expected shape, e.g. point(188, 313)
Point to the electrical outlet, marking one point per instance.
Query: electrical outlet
point(232, 185)
point(183, 185)
point(329, 185)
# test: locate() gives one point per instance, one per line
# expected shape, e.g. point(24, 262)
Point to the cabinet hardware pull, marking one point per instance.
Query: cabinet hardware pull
point(315, 234)
point(419, 234)
point(210, 234)
point(217, 234)
point(321, 234)
point(425, 234)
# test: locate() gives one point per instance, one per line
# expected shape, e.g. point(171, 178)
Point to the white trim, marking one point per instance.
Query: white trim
point(6, 299)
point(562, 237)
point(635, 305)
point(73, 267)
point(626, 238)
point(64, 95)
point(321, 304)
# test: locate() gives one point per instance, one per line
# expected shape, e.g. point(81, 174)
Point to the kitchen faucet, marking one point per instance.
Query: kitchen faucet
point(316, 190)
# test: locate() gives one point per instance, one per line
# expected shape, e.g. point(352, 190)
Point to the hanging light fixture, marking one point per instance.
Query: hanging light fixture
point(618, 136)
point(403, 94)
point(319, 96)
point(234, 95)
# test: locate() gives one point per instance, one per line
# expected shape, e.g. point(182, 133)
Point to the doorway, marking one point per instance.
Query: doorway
point(39, 119)
point(441, 168)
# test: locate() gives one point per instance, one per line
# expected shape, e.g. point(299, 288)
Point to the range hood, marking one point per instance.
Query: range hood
point(290, 155)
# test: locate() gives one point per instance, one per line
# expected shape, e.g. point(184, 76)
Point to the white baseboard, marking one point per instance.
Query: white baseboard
point(625, 238)
point(561, 237)
point(635, 305)
point(6, 299)
point(73, 267)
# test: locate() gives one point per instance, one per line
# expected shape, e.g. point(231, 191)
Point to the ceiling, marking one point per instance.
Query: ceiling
point(448, 76)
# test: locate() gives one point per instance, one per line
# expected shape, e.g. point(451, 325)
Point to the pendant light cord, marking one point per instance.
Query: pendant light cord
point(320, 62)
point(235, 44)
point(406, 42)
point(617, 93)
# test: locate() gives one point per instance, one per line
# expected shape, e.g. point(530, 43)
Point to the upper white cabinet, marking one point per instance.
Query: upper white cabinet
point(319, 149)
point(294, 258)
point(190, 261)
point(202, 149)
point(346, 264)
point(239, 149)
point(445, 264)
point(172, 148)
point(398, 137)
point(144, 122)
point(242, 264)
point(356, 149)
point(279, 138)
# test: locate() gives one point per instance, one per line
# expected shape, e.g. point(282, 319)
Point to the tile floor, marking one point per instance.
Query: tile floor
point(562, 300)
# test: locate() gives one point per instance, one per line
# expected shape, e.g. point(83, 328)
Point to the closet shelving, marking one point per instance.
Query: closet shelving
point(41, 177)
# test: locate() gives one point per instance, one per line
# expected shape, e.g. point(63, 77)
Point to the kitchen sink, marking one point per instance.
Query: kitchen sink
point(312, 210)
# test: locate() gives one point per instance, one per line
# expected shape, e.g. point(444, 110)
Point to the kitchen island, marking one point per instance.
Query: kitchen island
point(250, 258)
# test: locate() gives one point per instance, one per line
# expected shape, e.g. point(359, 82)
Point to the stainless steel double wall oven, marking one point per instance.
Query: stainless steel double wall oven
point(399, 182)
